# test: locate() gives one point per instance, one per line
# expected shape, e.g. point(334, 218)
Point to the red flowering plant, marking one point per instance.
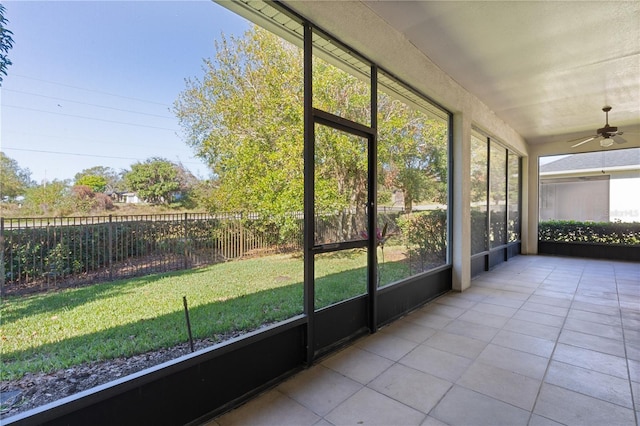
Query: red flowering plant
point(381, 238)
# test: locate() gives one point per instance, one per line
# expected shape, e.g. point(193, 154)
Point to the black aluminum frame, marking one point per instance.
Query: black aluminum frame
point(199, 386)
point(335, 325)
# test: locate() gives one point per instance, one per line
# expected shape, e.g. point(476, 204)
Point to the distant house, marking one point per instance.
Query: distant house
point(125, 197)
point(596, 186)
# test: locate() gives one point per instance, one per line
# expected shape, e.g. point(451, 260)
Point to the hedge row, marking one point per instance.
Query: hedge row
point(570, 231)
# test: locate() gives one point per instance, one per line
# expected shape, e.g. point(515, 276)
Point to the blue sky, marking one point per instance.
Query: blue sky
point(93, 82)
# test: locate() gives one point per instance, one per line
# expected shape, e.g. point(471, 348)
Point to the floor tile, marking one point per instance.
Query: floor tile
point(532, 329)
point(319, 389)
point(632, 350)
point(602, 330)
point(573, 408)
point(515, 361)
point(632, 335)
point(484, 318)
point(558, 286)
point(436, 362)
point(494, 309)
point(552, 301)
point(271, 408)
point(589, 382)
point(429, 319)
point(585, 358)
point(546, 309)
point(600, 300)
point(456, 344)
point(479, 410)
point(372, 408)
point(451, 299)
point(591, 307)
point(553, 294)
point(525, 343)
point(537, 420)
point(506, 386)
point(386, 345)
point(593, 342)
point(432, 421)
point(635, 390)
point(409, 330)
point(414, 388)
point(634, 370)
point(451, 312)
point(357, 364)
point(469, 329)
point(539, 318)
point(577, 314)
point(503, 301)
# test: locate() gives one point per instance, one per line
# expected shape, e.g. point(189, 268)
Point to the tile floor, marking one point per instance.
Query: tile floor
point(537, 341)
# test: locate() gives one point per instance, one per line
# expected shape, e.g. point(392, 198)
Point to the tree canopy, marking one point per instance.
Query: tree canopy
point(245, 119)
point(14, 180)
point(244, 116)
point(6, 43)
point(100, 179)
point(156, 180)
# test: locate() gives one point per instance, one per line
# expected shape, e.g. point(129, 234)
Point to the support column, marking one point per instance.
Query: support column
point(530, 233)
point(461, 208)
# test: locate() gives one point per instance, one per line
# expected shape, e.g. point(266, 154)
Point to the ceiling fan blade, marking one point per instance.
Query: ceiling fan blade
point(583, 142)
point(581, 138)
point(619, 139)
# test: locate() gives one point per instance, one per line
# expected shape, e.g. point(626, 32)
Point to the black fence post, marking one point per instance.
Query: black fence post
point(185, 241)
point(110, 248)
point(2, 271)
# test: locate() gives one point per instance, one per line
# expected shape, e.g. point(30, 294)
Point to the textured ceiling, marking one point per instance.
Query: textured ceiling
point(544, 67)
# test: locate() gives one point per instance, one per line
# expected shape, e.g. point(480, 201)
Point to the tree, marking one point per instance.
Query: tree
point(100, 179)
point(6, 43)
point(245, 118)
point(413, 153)
point(50, 198)
point(87, 200)
point(156, 180)
point(14, 180)
point(96, 183)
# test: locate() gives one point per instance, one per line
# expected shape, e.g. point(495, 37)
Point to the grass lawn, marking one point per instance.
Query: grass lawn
point(57, 330)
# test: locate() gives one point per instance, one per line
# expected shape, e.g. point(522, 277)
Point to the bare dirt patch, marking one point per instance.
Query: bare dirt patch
point(36, 389)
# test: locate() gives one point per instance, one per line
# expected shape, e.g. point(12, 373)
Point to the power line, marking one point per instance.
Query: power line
point(85, 140)
point(89, 118)
point(86, 103)
point(88, 90)
point(85, 155)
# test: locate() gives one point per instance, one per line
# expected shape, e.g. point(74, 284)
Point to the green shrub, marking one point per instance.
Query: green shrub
point(570, 231)
point(425, 233)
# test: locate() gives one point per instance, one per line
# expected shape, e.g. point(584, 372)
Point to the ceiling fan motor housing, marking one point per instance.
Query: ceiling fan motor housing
point(608, 130)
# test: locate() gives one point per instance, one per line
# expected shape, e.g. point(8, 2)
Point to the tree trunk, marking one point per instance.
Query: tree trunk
point(408, 202)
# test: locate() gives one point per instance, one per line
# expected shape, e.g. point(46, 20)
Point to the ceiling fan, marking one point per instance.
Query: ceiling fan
point(608, 134)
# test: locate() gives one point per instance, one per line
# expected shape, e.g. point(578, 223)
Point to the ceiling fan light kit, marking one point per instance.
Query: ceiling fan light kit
point(606, 142)
point(606, 133)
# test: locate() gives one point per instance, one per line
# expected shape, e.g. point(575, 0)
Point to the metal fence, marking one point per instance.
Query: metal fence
point(54, 252)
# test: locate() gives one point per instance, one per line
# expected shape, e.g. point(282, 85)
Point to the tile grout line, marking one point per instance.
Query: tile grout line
point(626, 354)
point(555, 345)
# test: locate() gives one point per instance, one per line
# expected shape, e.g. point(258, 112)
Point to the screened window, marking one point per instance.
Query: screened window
point(412, 182)
point(479, 193)
point(498, 195)
point(513, 198)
